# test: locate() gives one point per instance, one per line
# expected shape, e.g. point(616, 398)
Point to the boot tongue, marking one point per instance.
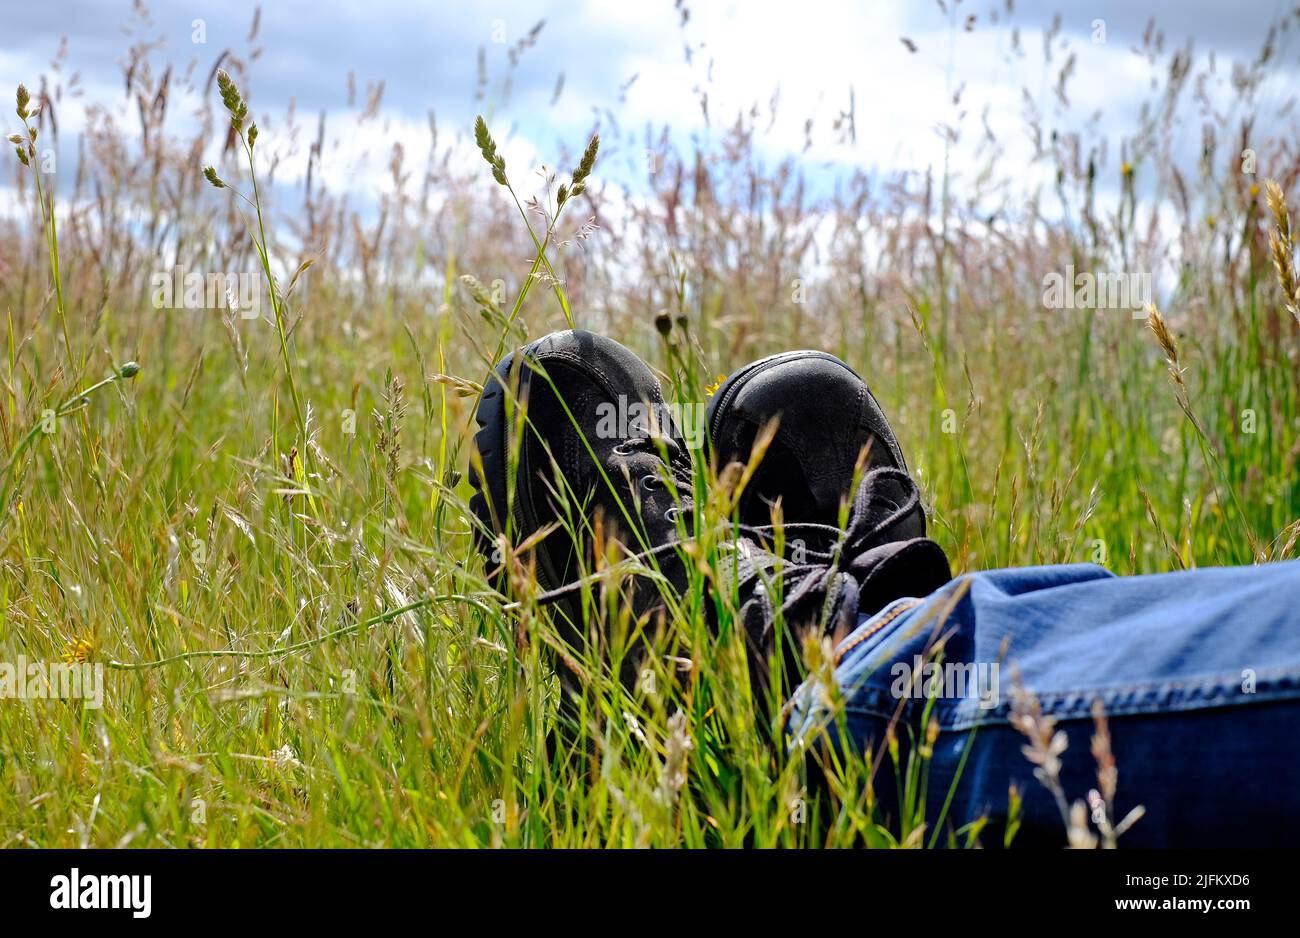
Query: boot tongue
point(885, 549)
point(916, 567)
point(887, 507)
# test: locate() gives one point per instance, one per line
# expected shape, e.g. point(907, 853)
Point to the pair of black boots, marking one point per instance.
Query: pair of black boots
point(578, 450)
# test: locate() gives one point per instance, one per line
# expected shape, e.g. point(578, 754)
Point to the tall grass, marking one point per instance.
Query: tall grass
point(302, 645)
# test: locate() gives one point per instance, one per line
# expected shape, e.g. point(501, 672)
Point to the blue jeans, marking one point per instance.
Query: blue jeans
point(1198, 673)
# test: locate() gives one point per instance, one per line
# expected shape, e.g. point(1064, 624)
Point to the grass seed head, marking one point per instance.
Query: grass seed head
point(1281, 244)
point(1164, 338)
point(488, 147)
point(585, 166)
point(232, 99)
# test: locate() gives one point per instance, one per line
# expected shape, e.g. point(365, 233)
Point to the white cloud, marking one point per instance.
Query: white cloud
point(812, 52)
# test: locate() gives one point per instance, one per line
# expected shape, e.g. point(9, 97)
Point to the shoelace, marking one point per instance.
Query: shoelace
point(835, 571)
point(885, 499)
point(873, 562)
point(832, 579)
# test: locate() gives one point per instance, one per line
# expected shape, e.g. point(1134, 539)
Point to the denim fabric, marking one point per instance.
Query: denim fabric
point(1198, 671)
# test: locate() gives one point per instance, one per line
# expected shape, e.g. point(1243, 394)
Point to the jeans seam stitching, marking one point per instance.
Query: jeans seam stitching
point(853, 641)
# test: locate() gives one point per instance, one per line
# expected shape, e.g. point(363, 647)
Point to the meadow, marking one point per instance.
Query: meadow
point(256, 518)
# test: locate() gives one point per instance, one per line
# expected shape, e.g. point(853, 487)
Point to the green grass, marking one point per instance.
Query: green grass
point(264, 533)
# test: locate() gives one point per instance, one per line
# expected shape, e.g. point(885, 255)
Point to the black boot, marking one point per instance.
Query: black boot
point(598, 449)
point(827, 417)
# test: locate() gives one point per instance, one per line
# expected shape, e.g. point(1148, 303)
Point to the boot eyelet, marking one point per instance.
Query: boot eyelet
point(649, 483)
point(672, 514)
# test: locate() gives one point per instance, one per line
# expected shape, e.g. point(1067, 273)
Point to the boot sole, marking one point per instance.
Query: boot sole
point(488, 503)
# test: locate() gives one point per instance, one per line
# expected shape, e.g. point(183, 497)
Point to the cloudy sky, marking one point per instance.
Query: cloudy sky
point(629, 62)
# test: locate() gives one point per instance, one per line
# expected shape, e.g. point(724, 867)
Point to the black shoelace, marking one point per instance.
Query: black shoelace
point(884, 500)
